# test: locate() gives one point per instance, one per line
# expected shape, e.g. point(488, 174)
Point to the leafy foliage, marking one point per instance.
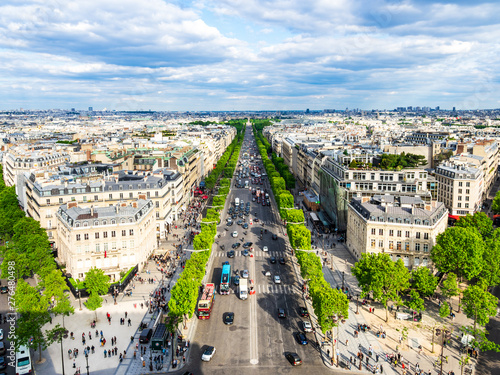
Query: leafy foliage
point(424, 281)
point(479, 221)
point(400, 161)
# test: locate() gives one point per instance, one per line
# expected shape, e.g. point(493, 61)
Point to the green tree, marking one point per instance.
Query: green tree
point(444, 310)
point(459, 250)
point(54, 288)
point(479, 220)
point(490, 273)
point(424, 281)
point(33, 309)
point(495, 205)
point(479, 305)
point(97, 284)
point(415, 302)
point(379, 275)
point(183, 299)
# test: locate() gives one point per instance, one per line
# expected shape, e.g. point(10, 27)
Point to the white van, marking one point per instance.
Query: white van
point(23, 361)
point(237, 202)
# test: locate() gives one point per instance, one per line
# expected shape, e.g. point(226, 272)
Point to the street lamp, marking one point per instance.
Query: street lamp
point(357, 304)
point(114, 294)
point(79, 298)
point(87, 359)
point(343, 274)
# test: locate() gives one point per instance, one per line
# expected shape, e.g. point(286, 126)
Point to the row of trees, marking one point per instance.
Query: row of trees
point(468, 252)
point(331, 306)
point(184, 294)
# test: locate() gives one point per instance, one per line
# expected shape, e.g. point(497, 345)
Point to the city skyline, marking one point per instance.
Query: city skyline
point(252, 55)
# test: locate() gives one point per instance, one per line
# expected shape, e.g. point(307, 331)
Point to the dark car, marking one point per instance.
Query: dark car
point(256, 219)
point(229, 223)
point(245, 226)
point(3, 365)
point(145, 335)
point(281, 313)
point(245, 253)
point(236, 280)
point(229, 318)
point(275, 236)
point(4, 290)
point(294, 359)
point(230, 254)
point(282, 260)
point(239, 222)
point(235, 245)
point(303, 312)
point(247, 244)
point(272, 260)
point(301, 338)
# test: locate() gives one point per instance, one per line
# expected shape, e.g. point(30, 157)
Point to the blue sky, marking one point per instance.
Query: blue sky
point(248, 54)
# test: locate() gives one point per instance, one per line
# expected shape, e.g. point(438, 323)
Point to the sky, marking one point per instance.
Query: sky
point(204, 55)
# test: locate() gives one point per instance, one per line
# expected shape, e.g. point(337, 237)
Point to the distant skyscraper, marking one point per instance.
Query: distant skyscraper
point(72, 110)
point(453, 109)
point(307, 110)
point(91, 109)
point(437, 108)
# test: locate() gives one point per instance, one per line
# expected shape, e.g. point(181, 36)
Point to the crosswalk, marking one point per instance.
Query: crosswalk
point(275, 289)
point(256, 253)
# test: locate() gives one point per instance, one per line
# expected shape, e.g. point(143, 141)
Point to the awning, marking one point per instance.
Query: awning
point(454, 217)
point(314, 217)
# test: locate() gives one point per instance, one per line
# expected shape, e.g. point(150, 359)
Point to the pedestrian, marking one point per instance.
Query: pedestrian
point(129, 322)
point(126, 314)
point(376, 356)
point(346, 342)
point(105, 353)
point(90, 335)
point(92, 348)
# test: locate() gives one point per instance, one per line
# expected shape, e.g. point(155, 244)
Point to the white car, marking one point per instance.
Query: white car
point(306, 326)
point(235, 234)
point(265, 248)
point(245, 274)
point(208, 354)
point(277, 279)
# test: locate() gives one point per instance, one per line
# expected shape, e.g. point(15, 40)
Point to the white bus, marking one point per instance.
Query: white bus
point(23, 361)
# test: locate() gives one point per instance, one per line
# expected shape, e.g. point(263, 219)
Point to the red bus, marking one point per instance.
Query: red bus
point(206, 301)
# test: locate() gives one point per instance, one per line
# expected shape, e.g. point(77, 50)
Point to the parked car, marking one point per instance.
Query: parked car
point(301, 338)
point(294, 359)
point(281, 313)
point(306, 326)
point(303, 312)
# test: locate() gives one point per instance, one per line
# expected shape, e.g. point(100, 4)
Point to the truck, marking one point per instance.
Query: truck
point(243, 289)
point(237, 202)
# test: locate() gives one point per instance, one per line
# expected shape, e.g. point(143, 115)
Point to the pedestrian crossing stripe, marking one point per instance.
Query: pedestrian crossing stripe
point(257, 253)
point(274, 289)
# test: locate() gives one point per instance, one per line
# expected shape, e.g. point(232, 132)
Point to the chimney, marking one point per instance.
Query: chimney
point(134, 204)
point(365, 199)
point(124, 204)
point(142, 196)
point(428, 207)
point(72, 204)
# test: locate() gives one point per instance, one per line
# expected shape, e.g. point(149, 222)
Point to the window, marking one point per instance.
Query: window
point(157, 204)
point(131, 232)
point(391, 245)
point(48, 201)
point(373, 231)
point(78, 237)
point(380, 232)
point(391, 232)
point(399, 233)
point(105, 246)
point(113, 233)
point(459, 205)
point(86, 236)
point(157, 215)
point(426, 247)
point(380, 243)
point(97, 248)
point(131, 244)
point(407, 234)
point(96, 234)
point(417, 235)
point(466, 198)
point(460, 184)
point(110, 196)
point(467, 205)
point(105, 234)
point(124, 233)
point(124, 244)
point(460, 198)
point(113, 245)
point(60, 201)
point(467, 191)
point(130, 195)
point(121, 195)
point(459, 191)
point(96, 198)
point(426, 236)
point(467, 184)
point(156, 193)
point(407, 246)
point(398, 244)
point(417, 246)
point(372, 243)
point(78, 249)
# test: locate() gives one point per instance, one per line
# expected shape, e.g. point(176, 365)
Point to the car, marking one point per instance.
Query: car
point(245, 226)
point(265, 248)
point(247, 244)
point(234, 216)
point(253, 199)
point(239, 222)
point(229, 318)
point(277, 279)
point(229, 223)
point(275, 236)
point(235, 245)
point(245, 274)
point(4, 290)
point(303, 312)
point(267, 273)
point(282, 260)
point(272, 260)
point(208, 354)
point(294, 359)
point(306, 326)
point(230, 254)
point(236, 280)
point(1, 334)
point(3, 365)
point(301, 338)
point(235, 234)
point(281, 313)
point(256, 219)
point(245, 253)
